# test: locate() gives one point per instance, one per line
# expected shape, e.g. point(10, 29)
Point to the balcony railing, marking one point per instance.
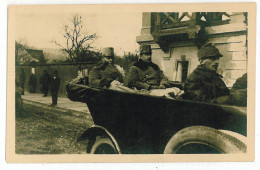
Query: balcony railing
point(185, 25)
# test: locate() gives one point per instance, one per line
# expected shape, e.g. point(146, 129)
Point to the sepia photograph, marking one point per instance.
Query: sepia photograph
point(131, 83)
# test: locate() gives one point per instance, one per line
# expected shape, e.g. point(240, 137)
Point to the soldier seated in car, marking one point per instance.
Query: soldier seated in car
point(145, 75)
point(205, 84)
point(105, 72)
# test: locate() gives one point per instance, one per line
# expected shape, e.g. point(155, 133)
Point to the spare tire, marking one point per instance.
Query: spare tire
point(202, 139)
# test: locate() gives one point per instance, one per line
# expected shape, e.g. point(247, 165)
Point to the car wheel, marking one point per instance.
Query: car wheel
point(103, 145)
point(202, 139)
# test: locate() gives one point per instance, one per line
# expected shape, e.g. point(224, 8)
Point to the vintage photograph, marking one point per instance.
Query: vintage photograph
point(131, 80)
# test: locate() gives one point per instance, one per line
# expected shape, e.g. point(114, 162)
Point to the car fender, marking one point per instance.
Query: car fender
point(95, 130)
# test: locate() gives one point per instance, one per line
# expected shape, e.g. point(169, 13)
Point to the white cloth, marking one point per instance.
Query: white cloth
point(173, 92)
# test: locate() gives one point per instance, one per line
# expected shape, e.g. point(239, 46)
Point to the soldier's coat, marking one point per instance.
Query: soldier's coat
point(143, 75)
point(205, 85)
point(103, 74)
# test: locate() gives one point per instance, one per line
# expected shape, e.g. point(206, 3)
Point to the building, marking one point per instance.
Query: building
point(176, 37)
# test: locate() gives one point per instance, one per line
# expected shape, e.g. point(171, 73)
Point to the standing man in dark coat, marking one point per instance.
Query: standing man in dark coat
point(144, 74)
point(204, 83)
point(22, 78)
point(54, 85)
point(45, 80)
point(32, 83)
point(105, 72)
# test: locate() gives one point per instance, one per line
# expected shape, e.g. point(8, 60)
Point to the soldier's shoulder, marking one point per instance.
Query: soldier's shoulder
point(155, 66)
point(195, 74)
point(98, 66)
point(134, 67)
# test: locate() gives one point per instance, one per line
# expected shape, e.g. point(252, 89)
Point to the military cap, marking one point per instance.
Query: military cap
point(108, 52)
point(145, 49)
point(207, 51)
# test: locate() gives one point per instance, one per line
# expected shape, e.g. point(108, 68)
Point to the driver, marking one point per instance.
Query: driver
point(205, 84)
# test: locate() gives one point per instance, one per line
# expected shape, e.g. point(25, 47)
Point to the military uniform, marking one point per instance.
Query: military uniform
point(206, 86)
point(240, 86)
point(241, 83)
point(105, 72)
point(143, 75)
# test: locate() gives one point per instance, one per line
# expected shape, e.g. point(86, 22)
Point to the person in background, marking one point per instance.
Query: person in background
point(105, 72)
point(18, 99)
point(32, 83)
point(22, 78)
point(240, 87)
point(54, 87)
point(204, 83)
point(45, 80)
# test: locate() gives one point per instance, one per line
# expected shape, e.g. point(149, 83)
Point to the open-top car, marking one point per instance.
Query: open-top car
point(139, 123)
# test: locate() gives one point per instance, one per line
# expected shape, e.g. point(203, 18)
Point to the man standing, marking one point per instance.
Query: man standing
point(32, 83)
point(204, 83)
point(105, 72)
point(22, 77)
point(144, 74)
point(45, 80)
point(54, 85)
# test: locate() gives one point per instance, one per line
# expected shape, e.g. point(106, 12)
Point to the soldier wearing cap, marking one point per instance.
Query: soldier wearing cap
point(144, 74)
point(204, 83)
point(105, 72)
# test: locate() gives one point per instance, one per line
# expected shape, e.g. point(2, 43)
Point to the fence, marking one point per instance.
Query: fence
point(66, 72)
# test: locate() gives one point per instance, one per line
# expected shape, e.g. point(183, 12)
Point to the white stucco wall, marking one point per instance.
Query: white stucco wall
point(168, 64)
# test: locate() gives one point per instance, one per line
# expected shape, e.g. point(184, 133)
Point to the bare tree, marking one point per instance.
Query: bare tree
point(78, 41)
point(20, 45)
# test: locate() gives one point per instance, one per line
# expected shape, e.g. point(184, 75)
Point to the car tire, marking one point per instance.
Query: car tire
point(195, 139)
point(103, 145)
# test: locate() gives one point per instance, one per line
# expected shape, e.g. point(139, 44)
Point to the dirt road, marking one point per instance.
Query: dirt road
point(41, 133)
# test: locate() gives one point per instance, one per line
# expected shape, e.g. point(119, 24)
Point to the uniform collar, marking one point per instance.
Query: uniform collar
point(207, 73)
point(143, 65)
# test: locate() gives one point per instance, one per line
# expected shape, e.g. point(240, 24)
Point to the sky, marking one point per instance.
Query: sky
point(118, 30)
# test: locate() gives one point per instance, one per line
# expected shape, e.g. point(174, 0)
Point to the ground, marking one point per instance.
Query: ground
point(41, 133)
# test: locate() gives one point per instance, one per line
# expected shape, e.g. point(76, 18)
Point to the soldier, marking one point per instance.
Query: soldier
point(54, 86)
point(45, 80)
point(204, 83)
point(144, 74)
point(105, 72)
point(240, 86)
